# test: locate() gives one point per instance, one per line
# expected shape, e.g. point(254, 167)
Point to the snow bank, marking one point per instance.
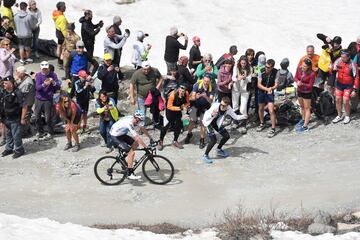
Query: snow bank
point(277, 235)
point(281, 28)
point(16, 228)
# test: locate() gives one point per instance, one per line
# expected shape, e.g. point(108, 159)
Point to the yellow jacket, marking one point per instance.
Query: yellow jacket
point(60, 22)
point(100, 109)
point(8, 13)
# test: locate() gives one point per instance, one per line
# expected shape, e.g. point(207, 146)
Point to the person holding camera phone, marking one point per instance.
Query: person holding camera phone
point(84, 88)
point(172, 48)
point(89, 31)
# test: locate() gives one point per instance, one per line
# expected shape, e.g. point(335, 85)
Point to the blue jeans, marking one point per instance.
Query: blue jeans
point(104, 128)
point(35, 39)
point(13, 136)
point(142, 107)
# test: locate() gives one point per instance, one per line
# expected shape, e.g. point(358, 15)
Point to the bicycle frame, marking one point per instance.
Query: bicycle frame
point(148, 152)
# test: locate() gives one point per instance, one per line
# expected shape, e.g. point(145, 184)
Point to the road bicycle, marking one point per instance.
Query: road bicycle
point(112, 170)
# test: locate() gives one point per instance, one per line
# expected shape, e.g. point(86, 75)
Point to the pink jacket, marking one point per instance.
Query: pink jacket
point(307, 80)
point(224, 78)
point(7, 63)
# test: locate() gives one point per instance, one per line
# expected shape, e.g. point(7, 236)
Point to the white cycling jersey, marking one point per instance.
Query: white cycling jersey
point(123, 126)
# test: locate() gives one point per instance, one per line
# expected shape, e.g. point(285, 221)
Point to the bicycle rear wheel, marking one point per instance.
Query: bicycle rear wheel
point(110, 171)
point(158, 169)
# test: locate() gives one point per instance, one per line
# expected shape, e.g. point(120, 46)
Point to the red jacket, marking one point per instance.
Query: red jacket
point(347, 73)
point(306, 78)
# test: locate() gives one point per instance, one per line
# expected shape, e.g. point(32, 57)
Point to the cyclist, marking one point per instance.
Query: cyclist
point(119, 135)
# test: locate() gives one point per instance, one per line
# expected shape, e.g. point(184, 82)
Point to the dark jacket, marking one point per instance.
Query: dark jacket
point(88, 30)
point(118, 32)
point(269, 80)
point(194, 55)
point(109, 80)
point(172, 49)
point(185, 77)
point(353, 49)
point(11, 104)
point(78, 62)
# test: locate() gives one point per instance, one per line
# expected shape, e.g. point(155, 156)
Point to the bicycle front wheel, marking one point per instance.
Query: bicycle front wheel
point(110, 171)
point(158, 169)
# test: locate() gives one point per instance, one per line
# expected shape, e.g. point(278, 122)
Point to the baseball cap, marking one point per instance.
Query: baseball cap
point(82, 73)
point(80, 44)
point(195, 38)
point(44, 64)
point(10, 79)
point(145, 64)
point(107, 56)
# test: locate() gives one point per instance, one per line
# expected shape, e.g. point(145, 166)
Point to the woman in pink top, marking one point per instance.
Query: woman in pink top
point(304, 78)
point(7, 59)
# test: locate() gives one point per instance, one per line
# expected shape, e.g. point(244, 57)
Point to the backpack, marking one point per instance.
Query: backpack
point(283, 80)
point(287, 113)
point(327, 103)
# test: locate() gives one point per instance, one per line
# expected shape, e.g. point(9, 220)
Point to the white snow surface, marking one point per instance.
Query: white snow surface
point(280, 28)
point(277, 235)
point(17, 228)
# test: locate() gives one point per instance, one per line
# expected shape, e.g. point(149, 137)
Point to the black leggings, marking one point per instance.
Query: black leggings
point(174, 118)
point(212, 137)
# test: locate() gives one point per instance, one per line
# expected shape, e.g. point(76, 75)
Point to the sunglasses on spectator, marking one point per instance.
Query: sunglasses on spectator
point(268, 67)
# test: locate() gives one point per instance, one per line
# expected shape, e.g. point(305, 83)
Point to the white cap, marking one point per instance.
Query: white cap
point(145, 64)
point(44, 64)
point(140, 35)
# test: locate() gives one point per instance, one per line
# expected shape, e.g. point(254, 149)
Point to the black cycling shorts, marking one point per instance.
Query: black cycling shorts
point(124, 142)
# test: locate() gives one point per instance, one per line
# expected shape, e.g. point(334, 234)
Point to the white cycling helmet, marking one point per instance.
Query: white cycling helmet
point(139, 114)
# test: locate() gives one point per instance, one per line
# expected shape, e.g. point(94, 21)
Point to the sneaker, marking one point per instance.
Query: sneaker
point(76, 148)
point(6, 152)
point(188, 137)
point(132, 176)
point(109, 150)
point(37, 55)
point(206, 159)
point(177, 145)
point(243, 130)
point(40, 135)
point(3, 142)
point(22, 62)
point(300, 123)
point(302, 129)
point(202, 143)
point(271, 133)
point(347, 119)
point(337, 119)
point(160, 146)
point(67, 146)
point(260, 127)
point(29, 60)
point(222, 153)
point(18, 154)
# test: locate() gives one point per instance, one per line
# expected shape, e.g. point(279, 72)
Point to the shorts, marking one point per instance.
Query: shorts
point(304, 95)
point(343, 90)
point(195, 114)
point(60, 37)
point(24, 43)
point(124, 142)
point(84, 105)
point(77, 118)
point(264, 98)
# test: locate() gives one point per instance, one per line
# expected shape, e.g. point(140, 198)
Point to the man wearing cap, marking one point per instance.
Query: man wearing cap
point(172, 48)
point(13, 113)
point(27, 88)
point(346, 85)
point(226, 56)
point(110, 75)
point(201, 98)
point(143, 80)
point(114, 42)
point(89, 31)
point(195, 54)
point(141, 51)
point(46, 84)
point(79, 60)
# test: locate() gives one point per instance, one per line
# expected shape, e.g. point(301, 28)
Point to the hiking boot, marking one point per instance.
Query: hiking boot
point(109, 150)
point(67, 146)
point(302, 129)
point(22, 62)
point(206, 159)
point(29, 60)
point(271, 133)
point(132, 176)
point(188, 137)
point(222, 153)
point(76, 148)
point(18, 154)
point(260, 127)
point(337, 119)
point(3, 142)
point(346, 120)
point(177, 145)
point(160, 146)
point(6, 152)
point(202, 143)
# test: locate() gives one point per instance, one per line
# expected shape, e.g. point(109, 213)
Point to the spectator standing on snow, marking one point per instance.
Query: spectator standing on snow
point(141, 51)
point(172, 48)
point(69, 45)
point(114, 42)
point(89, 31)
point(35, 32)
point(61, 28)
point(25, 23)
point(195, 54)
